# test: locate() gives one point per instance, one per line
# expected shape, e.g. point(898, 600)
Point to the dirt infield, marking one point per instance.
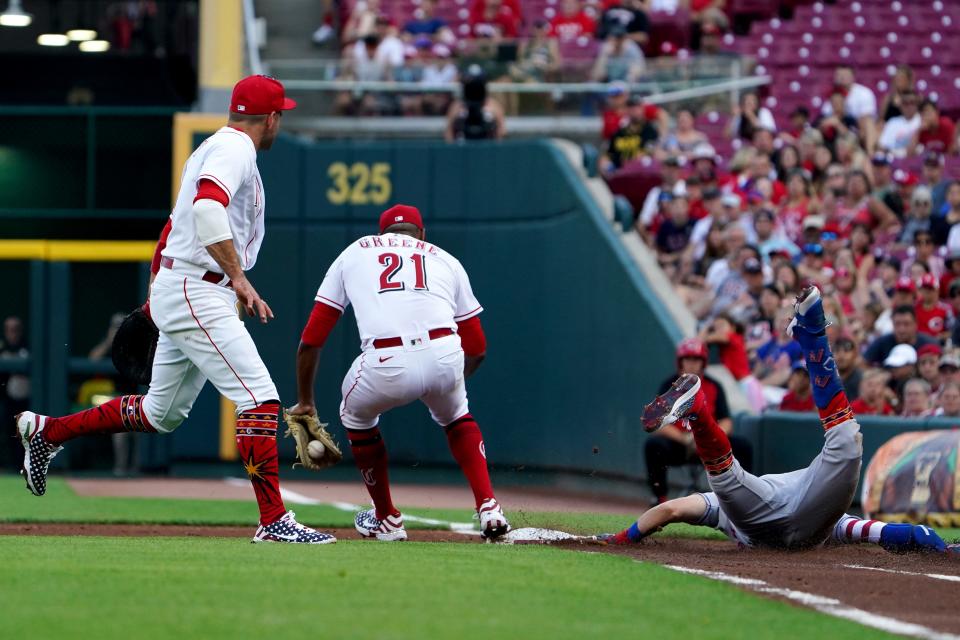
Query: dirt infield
point(913, 596)
point(408, 495)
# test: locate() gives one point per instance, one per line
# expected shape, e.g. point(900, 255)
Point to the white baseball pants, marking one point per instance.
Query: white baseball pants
point(201, 338)
point(422, 369)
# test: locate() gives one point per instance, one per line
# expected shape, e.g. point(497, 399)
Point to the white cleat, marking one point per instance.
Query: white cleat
point(493, 523)
point(390, 529)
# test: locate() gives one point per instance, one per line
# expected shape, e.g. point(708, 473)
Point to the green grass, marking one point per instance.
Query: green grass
point(60, 504)
point(217, 588)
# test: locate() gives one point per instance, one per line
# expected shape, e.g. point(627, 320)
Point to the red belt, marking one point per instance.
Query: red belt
point(384, 343)
point(209, 276)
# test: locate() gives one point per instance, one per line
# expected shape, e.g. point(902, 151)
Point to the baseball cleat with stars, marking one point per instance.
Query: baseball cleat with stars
point(287, 529)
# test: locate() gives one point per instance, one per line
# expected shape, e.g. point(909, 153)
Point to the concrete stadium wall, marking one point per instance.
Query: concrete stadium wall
point(787, 441)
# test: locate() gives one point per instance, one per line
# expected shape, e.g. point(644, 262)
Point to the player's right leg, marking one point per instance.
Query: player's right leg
point(174, 386)
point(378, 381)
point(446, 397)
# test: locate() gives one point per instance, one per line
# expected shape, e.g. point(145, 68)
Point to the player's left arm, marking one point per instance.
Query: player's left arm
point(474, 343)
point(329, 304)
point(692, 509)
point(689, 509)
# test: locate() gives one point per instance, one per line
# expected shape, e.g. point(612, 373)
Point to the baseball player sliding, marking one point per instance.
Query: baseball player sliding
point(214, 235)
point(795, 510)
point(420, 338)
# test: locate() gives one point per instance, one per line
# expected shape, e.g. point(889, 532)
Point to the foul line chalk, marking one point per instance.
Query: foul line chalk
point(295, 497)
point(935, 576)
point(823, 604)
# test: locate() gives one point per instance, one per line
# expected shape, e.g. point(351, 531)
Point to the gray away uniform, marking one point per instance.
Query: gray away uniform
point(794, 510)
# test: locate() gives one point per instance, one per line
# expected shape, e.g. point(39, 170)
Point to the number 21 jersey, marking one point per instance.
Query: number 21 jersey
point(398, 286)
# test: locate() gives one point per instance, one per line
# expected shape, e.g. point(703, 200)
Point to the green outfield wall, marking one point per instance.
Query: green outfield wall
point(576, 340)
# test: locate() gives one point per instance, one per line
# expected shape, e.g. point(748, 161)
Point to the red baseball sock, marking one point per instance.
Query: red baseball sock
point(370, 456)
point(837, 412)
point(120, 414)
point(257, 444)
point(466, 444)
point(713, 446)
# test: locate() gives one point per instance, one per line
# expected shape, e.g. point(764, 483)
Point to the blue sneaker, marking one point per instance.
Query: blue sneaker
point(808, 310)
point(911, 538)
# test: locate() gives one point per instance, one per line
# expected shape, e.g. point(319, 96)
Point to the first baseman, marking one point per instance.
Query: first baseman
point(421, 338)
point(796, 510)
point(214, 235)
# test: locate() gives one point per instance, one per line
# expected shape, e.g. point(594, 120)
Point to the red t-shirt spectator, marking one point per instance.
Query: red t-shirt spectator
point(861, 408)
point(612, 121)
point(793, 402)
point(505, 21)
point(939, 139)
point(476, 9)
point(733, 355)
point(698, 211)
point(569, 28)
point(933, 321)
point(791, 218)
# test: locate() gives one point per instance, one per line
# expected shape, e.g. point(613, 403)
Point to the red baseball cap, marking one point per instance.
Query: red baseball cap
point(400, 213)
point(259, 95)
point(929, 281)
point(929, 350)
point(906, 284)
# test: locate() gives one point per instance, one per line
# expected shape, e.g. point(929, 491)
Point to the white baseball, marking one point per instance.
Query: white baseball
point(316, 449)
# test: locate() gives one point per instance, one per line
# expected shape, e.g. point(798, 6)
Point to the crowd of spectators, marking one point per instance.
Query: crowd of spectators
point(376, 44)
point(820, 201)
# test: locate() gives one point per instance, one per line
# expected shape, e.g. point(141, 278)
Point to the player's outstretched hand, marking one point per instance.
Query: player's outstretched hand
point(301, 409)
point(254, 305)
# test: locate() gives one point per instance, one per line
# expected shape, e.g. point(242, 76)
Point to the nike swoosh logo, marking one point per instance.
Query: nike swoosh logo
point(289, 537)
point(384, 359)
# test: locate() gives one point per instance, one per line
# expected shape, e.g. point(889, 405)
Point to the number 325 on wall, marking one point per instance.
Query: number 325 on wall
point(359, 183)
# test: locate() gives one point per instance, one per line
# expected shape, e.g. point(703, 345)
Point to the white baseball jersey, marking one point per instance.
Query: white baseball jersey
point(398, 286)
point(229, 159)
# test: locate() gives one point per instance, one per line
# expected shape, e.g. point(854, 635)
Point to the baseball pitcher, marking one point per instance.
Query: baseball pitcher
point(795, 510)
point(421, 338)
point(214, 235)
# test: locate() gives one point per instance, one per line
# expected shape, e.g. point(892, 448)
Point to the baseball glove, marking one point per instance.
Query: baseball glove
point(134, 345)
point(304, 429)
